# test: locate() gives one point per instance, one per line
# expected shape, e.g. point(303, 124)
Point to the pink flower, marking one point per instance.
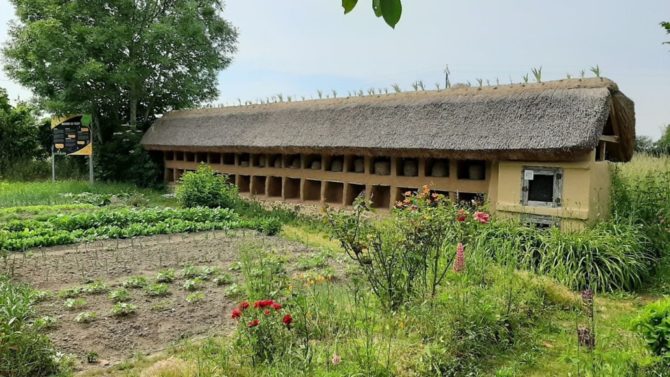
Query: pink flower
point(336, 359)
point(276, 306)
point(287, 320)
point(482, 217)
point(254, 323)
point(244, 305)
point(459, 263)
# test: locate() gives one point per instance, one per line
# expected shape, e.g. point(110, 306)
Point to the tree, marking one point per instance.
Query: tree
point(666, 26)
point(390, 10)
point(123, 61)
point(663, 144)
point(19, 130)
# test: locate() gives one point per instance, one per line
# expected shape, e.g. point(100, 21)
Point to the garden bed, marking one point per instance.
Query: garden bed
point(158, 321)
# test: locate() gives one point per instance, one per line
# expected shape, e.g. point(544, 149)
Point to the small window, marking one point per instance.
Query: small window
point(542, 187)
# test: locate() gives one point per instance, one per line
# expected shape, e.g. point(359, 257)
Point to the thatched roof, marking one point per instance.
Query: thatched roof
point(558, 120)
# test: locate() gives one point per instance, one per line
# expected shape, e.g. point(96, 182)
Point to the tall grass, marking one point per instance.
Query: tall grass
point(641, 196)
point(609, 256)
point(13, 194)
point(24, 351)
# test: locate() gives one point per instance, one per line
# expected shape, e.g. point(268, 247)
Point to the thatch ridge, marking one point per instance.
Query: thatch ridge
point(557, 120)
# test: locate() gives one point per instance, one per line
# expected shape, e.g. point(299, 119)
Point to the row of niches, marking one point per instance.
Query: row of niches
point(403, 167)
point(329, 192)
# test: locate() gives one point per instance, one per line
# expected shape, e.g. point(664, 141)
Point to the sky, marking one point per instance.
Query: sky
point(297, 47)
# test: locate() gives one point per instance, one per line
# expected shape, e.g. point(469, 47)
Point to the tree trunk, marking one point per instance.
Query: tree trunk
point(133, 111)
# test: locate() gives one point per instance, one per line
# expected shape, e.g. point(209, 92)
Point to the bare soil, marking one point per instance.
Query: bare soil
point(159, 321)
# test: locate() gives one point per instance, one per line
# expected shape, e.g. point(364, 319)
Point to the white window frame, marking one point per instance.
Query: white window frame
point(557, 196)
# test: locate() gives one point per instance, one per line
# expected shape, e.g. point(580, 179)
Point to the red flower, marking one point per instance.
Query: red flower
point(262, 304)
point(254, 323)
point(461, 216)
point(287, 320)
point(237, 313)
point(244, 305)
point(459, 263)
point(266, 312)
point(276, 306)
point(482, 217)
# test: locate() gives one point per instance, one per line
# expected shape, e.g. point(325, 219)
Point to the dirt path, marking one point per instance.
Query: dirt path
point(158, 322)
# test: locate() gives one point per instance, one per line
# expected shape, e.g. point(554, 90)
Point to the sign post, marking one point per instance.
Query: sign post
point(72, 136)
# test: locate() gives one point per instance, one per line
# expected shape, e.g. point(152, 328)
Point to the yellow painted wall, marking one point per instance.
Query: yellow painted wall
point(585, 192)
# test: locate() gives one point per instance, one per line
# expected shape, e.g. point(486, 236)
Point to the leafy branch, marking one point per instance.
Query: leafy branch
point(390, 10)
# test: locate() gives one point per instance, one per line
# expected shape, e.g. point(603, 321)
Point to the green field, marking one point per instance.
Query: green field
point(502, 313)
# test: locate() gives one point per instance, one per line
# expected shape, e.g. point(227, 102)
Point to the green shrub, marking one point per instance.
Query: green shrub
point(408, 255)
point(24, 350)
point(264, 272)
point(206, 188)
point(653, 324)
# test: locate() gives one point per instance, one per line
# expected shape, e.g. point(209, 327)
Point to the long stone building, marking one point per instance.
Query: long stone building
point(536, 151)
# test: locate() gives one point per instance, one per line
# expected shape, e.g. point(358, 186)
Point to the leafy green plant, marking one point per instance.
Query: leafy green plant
point(190, 272)
point(69, 293)
point(74, 303)
point(653, 324)
point(195, 297)
point(205, 188)
point(157, 290)
point(123, 309)
point(223, 279)
point(46, 322)
point(165, 276)
point(192, 284)
point(135, 282)
point(119, 295)
point(119, 223)
point(95, 288)
point(85, 317)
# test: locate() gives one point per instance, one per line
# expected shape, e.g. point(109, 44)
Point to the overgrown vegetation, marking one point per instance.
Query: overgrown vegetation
point(24, 350)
